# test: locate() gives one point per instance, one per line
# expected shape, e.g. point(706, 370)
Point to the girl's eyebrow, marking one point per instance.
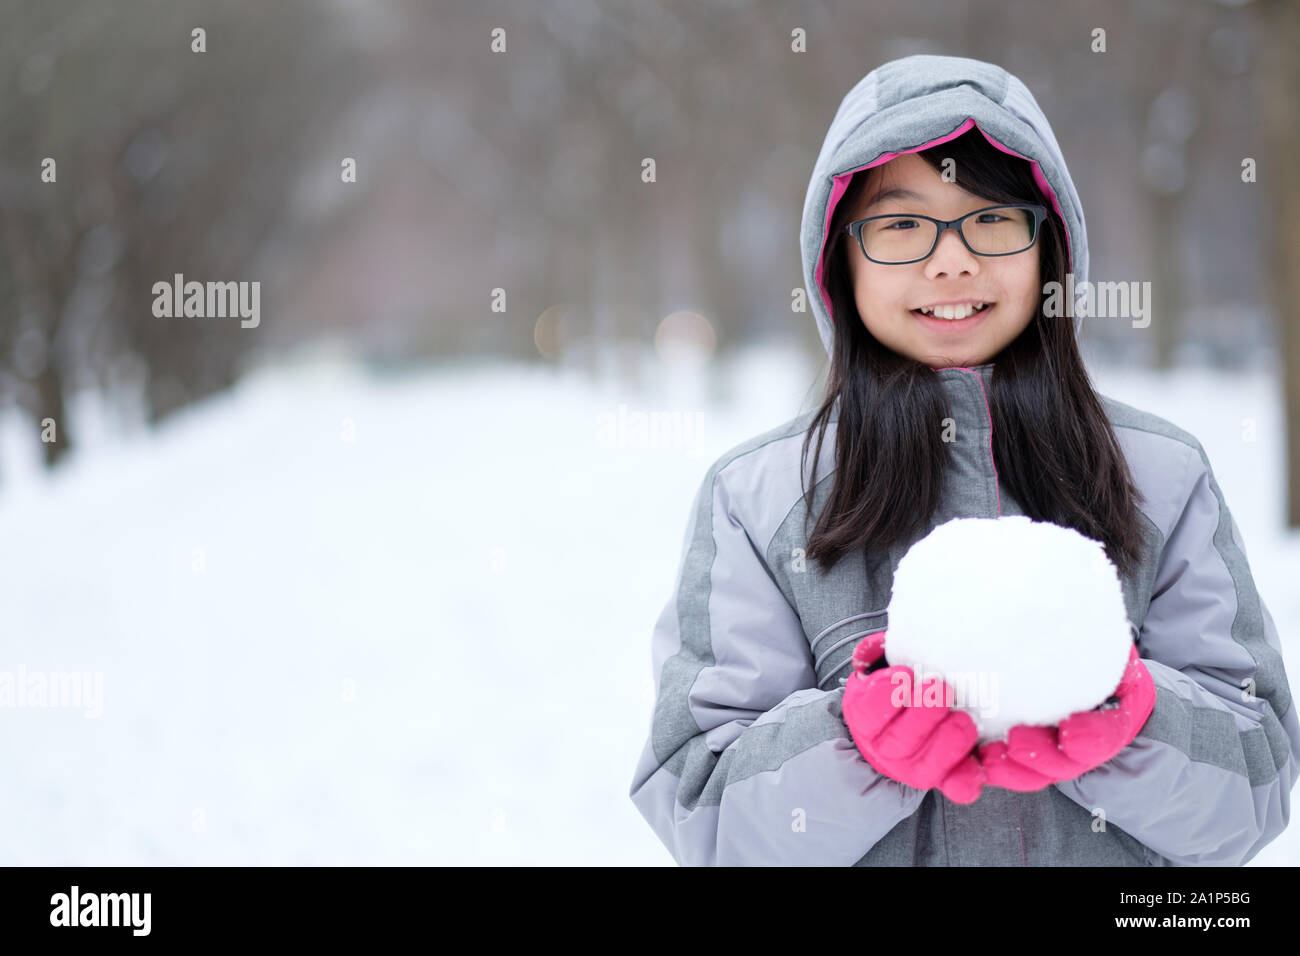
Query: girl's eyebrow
point(895, 193)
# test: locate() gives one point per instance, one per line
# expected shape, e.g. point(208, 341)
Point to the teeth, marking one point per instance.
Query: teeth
point(954, 311)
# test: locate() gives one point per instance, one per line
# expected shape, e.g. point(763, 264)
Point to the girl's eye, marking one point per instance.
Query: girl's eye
point(904, 223)
point(991, 215)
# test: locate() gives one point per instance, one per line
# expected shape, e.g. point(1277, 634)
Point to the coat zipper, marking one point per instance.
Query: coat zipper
point(997, 494)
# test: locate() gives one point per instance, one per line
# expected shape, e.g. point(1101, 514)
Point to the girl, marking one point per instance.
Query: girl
point(939, 209)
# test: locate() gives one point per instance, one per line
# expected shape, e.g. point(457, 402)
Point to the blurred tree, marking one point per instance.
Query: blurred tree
point(1168, 91)
point(1277, 25)
point(172, 161)
point(169, 161)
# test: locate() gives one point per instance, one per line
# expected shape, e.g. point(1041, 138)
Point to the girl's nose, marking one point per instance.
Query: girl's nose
point(951, 257)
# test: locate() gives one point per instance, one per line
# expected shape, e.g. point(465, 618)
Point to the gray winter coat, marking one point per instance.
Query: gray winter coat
point(748, 759)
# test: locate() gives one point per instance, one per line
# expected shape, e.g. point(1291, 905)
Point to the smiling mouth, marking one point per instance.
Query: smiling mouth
point(949, 313)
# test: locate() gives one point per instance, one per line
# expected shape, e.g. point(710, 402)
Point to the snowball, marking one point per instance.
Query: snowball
point(1025, 619)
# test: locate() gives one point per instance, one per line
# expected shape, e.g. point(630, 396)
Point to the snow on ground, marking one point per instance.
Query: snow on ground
point(343, 618)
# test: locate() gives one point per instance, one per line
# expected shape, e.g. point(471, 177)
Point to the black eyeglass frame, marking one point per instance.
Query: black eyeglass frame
point(1040, 214)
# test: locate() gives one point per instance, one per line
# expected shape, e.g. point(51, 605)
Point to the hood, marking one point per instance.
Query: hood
point(913, 103)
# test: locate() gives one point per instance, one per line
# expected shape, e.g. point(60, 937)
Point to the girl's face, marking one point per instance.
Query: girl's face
point(887, 294)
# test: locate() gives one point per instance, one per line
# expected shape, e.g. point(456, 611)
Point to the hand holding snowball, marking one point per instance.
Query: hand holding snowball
point(922, 746)
point(1035, 756)
point(1024, 626)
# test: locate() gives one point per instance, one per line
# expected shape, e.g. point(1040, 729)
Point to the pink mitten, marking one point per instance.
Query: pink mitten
point(921, 746)
point(1032, 757)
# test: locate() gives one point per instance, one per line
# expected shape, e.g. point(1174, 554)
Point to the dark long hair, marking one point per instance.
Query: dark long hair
point(1053, 445)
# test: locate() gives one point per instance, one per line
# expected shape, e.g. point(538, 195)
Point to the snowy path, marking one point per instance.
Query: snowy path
point(352, 620)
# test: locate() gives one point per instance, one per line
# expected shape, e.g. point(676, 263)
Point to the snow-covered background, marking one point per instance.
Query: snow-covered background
point(348, 618)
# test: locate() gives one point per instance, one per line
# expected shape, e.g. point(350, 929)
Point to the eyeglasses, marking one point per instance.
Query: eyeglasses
point(899, 240)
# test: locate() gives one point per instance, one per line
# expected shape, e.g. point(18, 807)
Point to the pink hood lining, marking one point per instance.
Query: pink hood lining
point(841, 183)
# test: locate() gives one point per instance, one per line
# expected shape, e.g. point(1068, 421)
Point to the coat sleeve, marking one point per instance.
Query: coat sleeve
point(747, 761)
point(1208, 779)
